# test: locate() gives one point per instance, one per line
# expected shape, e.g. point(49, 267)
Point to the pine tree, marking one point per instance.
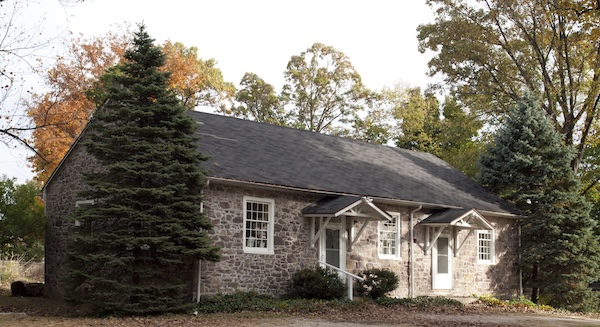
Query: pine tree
point(529, 166)
point(144, 231)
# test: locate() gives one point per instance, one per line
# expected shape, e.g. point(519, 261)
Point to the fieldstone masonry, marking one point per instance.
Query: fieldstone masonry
point(60, 198)
point(271, 273)
point(263, 273)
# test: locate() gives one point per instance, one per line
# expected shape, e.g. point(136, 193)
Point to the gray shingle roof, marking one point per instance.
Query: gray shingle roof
point(255, 152)
point(445, 216)
point(330, 205)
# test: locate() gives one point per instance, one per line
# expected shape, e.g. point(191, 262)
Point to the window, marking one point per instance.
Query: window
point(485, 246)
point(258, 225)
point(83, 226)
point(389, 238)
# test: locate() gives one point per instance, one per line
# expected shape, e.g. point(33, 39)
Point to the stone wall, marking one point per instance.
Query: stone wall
point(239, 271)
point(60, 199)
point(470, 277)
point(263, 273)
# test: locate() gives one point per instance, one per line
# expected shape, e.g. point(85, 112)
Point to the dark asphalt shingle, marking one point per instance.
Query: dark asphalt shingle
point(330, 205)
point(256, 152)
point(445, 216)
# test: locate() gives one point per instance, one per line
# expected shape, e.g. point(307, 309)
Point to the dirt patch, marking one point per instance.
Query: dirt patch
point(272, 320)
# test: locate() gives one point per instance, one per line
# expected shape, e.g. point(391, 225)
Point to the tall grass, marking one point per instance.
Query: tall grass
point(15, 267)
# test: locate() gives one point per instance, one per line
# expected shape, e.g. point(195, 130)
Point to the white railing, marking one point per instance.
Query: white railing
point(349, 277)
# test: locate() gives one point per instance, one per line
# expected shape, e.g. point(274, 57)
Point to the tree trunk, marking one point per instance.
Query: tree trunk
point(534, 288)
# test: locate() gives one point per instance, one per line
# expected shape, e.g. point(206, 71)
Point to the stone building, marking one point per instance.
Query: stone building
point(283, 199)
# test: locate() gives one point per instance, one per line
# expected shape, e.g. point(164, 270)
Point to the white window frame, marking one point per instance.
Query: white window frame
point(270, 225)
point(491, 240)
point(397, 255)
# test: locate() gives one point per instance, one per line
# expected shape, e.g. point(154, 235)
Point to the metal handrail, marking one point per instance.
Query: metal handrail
point(348, 280)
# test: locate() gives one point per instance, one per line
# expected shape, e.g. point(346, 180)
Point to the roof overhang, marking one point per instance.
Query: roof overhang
point(351, 206)
point(460, 218)
point(408, 203)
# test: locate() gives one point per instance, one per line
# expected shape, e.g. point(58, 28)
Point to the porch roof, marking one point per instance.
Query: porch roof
point(355, 206)
point(462, 218)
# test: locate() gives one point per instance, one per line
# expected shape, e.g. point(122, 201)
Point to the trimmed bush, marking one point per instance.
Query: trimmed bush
point(317, 283)
point(378, 283)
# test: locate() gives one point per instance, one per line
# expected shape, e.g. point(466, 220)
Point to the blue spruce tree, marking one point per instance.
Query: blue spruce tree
point(136, 245)
point(529, 165)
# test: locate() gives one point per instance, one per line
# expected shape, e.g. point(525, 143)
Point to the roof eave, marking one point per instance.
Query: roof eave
point(407, 203)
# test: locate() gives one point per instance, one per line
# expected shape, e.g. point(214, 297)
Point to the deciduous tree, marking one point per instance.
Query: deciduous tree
point(75, 88)
point(417, 116)
point(529, 166)
point(323, 88)
point(416, 120)
point(258, 101)
point(21, 219)
point(23, 37)
point(490, 51)
point(145, 228)
point(61, 113)
point(196, 82)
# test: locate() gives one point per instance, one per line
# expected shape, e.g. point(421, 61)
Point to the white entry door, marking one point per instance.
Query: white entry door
point(333, 246)
point(442, 263)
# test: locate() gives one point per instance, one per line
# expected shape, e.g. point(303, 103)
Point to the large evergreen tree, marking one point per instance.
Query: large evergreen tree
point(134, 245)
point(529, 165)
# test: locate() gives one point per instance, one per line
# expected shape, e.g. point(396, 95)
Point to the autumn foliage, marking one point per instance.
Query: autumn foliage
point(61, 113)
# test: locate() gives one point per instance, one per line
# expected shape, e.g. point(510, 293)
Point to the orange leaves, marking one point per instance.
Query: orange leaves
point(195, 81)
point(74, 80)
point(61, 114)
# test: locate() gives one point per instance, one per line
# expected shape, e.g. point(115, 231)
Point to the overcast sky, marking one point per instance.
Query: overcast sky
point(259, 36)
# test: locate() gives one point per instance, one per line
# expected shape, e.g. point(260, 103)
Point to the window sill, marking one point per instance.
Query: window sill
point(386, 257)
point(258, 251)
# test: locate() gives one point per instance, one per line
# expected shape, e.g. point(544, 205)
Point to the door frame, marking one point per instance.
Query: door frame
point(435, 283)
point(342, 241)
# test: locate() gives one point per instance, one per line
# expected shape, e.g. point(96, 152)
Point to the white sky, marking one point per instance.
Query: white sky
point(260, 36)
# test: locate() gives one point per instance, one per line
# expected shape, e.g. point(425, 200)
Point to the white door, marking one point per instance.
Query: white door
point(333, 246)
point(442, 263)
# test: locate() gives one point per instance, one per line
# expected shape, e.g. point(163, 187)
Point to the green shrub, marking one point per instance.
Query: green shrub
point(377, 283)
point(254, 302)
point(317, 283)
point(419, 301)
point(239, 301)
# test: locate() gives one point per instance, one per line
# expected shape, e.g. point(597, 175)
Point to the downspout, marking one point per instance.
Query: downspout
point(411, 292)
point(520, 265)
point(199, 260)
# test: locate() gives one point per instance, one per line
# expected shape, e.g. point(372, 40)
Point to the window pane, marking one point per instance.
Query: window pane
point(332, 247)
point(442, 255)
point(257, 224)
point(484, 245)
point(388, 236)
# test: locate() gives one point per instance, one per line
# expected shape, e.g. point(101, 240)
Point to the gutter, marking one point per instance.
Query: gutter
point(377, 199)
point(411, 290)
